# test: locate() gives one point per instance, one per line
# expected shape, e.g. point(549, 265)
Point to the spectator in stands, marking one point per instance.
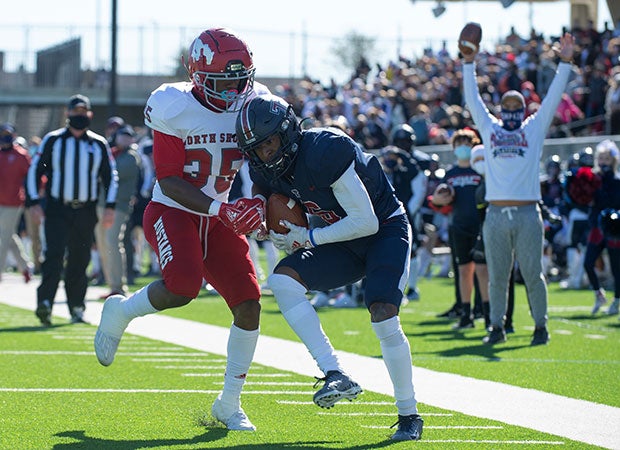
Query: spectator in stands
point(513, 226)
point(14, 164)
point(420, 122)
point(612, 105)
point(530, 95)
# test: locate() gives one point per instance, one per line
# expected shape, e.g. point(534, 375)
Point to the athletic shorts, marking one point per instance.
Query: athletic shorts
point(191, 247)
point(462, 244)
point(382, 258)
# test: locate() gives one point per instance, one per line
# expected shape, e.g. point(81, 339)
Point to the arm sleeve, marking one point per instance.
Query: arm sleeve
point(418, 187)
point(168, 155)
point(479, 112)
point(360, 220)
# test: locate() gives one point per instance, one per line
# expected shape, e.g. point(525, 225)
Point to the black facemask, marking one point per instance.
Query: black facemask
point(79, 122)
point(511, 120)
point(6, 142)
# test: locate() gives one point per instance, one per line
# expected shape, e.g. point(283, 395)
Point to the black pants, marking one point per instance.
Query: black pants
point(68, 231)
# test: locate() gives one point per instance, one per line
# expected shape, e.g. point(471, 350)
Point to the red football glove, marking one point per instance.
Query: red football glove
point(243, 216)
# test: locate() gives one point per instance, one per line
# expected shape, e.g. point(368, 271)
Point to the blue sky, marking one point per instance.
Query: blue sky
point(274, 29)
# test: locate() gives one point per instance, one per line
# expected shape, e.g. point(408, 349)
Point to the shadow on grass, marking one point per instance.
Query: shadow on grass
point(211, 435)
point(490, 352)
point(28, 329)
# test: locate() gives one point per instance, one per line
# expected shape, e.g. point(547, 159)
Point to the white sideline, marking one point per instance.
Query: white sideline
point(579, 420)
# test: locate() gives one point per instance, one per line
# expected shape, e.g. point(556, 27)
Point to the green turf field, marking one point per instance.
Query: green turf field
point(54, 394)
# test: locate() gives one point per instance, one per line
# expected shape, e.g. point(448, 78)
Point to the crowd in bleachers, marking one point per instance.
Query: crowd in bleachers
point(426, 92)
point(426, 95)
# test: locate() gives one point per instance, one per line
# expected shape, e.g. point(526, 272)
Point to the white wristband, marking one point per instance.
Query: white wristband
point(262, 197)
point(214, 208)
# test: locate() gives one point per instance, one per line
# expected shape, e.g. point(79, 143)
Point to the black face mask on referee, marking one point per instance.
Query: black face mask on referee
point(79, 122)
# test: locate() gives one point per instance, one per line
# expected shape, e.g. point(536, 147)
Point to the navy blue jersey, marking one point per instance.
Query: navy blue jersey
point(607, 196)
point(323, 156)
point(465, 182)
point(402, 176)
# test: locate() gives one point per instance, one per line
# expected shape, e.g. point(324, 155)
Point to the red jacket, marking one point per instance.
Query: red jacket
point(14, 164)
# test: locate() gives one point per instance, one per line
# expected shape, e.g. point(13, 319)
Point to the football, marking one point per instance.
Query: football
point(281, 207)
point(470, 37)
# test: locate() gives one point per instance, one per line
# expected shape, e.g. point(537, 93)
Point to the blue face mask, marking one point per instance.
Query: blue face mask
point(6, 140)
point(512, 120)
point(463, 152)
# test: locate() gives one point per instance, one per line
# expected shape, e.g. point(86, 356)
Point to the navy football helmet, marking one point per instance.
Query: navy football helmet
point(260, 118)
point(403, 137)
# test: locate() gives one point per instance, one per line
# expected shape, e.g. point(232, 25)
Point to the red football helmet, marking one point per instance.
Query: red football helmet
point(217, 55)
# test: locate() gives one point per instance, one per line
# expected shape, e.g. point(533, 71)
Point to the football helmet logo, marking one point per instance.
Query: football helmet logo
point(221, 69)
point(200, 50)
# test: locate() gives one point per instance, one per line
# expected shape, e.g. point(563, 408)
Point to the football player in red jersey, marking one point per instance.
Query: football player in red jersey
point(196, 234)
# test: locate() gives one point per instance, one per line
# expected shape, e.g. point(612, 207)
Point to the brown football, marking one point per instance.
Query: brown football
point(470, 37)
point(281, 207)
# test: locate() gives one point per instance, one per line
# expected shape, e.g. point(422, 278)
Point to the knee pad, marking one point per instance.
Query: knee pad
point(288, 292)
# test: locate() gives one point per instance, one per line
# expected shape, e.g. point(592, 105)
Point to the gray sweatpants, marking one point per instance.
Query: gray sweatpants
point(515, 232)
point(9, 218)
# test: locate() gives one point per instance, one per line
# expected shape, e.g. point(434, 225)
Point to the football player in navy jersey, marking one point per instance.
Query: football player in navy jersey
point(368, 236)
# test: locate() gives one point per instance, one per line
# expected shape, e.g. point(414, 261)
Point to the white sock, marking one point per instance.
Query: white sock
point(397, 359)
point(303, 319)
point(138, 304)
point(241, 346)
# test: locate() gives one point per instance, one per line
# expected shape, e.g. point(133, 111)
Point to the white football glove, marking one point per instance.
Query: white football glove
point(260, 234)
point(298, 237)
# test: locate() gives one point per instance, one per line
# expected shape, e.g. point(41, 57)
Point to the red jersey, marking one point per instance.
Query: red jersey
point(206, 153)
point(14, 164)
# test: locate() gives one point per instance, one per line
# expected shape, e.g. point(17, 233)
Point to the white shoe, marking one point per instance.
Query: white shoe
point(614, 307)
point(344, 300)
point(599, 300)
point(320, 300)
point(110, 330)
point(238, 420)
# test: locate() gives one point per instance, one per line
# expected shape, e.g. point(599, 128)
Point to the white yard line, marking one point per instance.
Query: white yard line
point(579, 420)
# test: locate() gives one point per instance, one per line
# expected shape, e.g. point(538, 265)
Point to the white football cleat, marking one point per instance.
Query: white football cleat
point(343, 300)
point(237, 421)
point(614, 307)
point(599, 300)
point(110, 330)
point(320, 300)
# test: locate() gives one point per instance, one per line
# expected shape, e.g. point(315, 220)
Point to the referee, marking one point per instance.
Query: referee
point(77, 164)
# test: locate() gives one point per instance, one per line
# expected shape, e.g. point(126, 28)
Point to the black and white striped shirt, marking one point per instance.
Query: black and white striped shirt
point(76, 168)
